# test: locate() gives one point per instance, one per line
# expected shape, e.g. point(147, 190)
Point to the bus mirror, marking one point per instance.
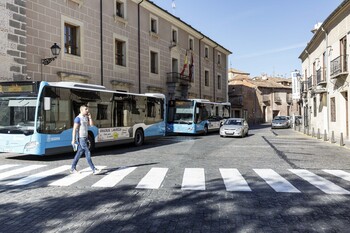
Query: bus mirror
point(197, 110)
point(47, 103)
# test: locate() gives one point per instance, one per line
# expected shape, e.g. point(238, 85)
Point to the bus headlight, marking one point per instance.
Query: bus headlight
point(31, 145)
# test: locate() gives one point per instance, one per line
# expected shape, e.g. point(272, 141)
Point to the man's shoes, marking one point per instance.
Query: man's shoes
point(74, 171)
point(97, 171)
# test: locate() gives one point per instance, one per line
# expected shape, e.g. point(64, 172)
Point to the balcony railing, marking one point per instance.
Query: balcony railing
point(174, 77)
point(339, 66)
point(303, 86)
point(309, 82)
point(321, 76)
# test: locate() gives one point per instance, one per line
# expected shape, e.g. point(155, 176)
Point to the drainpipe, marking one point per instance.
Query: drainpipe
point(327, 75)
point(200, 67)
point(307, 117)
point(139, 43)
point(214, 88)
point(101, 40)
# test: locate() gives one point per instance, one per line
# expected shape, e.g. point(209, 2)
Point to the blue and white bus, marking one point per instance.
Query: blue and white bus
point(196, 116)
point(37, 117)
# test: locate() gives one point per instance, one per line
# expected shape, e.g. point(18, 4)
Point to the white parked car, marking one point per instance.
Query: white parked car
point(234, 127)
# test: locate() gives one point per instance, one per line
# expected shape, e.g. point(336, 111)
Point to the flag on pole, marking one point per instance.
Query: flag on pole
point(190, 72)
point(185, 65)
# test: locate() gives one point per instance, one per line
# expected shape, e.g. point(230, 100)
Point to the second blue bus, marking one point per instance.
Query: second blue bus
point(196, 116)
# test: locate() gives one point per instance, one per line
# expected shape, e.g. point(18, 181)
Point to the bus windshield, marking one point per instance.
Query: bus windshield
point(17, 115)
point(183, 112)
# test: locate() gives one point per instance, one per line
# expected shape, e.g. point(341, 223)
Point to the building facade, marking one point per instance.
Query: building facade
point(127, 45)
point(260, 99)
point(325, 75)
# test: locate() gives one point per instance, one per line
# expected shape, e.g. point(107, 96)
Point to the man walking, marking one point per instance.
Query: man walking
point(81, 124)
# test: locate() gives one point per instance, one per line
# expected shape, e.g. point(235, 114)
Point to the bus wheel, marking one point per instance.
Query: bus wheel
point(139, 137)
point(205, 130)
point(91, 141)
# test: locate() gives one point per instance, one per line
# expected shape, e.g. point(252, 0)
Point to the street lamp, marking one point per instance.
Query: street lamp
point(55, 50)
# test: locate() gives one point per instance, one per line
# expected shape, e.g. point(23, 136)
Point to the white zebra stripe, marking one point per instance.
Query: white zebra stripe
point(193, 179)
point(19, 170)
point(38, 176)
point(277, 182)
point(114, 177)
point(153, 178)
point(71, 179)
point(320, 182)
point(233, 180)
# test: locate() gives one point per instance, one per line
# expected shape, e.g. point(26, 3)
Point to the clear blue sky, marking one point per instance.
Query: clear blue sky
point(264, 36)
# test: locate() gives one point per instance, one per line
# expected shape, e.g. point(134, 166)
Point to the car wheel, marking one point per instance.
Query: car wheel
point(139, 137)
point(205, 130)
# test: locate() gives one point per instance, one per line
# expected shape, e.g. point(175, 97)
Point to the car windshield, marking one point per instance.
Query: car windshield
point(280, 118)
point(233, 122)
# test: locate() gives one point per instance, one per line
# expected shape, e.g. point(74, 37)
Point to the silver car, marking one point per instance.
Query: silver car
point(234, 127)
point(280, 122)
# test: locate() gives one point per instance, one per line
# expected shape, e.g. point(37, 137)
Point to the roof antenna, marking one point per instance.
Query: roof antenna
point(173, 5)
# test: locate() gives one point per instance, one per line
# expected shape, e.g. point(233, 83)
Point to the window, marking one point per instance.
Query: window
point(154, 62)
point(190, 43)
point(206, 52)
point(120, 9)
point(154, 24)
point(333, 110)
point(315, 107)
point(102, 112)
point(174, 35)
point(71, 39)
point(206, 78)
point(120, 52)
point(219, 58)
point(219, 82)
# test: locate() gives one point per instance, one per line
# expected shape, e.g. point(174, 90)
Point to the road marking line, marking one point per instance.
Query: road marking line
point(277, 182)
point(38, 176)
point(19, 170)
point(3, 167)
point(339, 173)
point(72, 178)
point(114, 177)
point(193, 179)
point(233, 180)
point(153, 179)
point(319, 182)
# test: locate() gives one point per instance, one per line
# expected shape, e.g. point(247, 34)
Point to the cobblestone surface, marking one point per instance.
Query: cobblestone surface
point(81, 208)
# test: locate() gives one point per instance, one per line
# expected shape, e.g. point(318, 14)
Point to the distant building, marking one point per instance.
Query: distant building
point(260, 99)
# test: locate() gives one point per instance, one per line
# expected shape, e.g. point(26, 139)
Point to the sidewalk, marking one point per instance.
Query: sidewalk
point(335, 139)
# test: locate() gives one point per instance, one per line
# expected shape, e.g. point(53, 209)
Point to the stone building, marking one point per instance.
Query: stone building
point(128, 45)
point(260, 99)
point(325, 75)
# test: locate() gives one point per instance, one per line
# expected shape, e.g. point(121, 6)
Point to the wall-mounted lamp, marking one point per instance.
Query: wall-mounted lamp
point(55, 50)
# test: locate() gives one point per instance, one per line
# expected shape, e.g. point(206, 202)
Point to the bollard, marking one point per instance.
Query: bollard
point(313, 132)
point(318, 134)
point(325, 136)
point(332, 139)
point(341, 142)
point(299, 127)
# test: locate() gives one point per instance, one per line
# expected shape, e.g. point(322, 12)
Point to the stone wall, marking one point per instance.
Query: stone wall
point(12, 40)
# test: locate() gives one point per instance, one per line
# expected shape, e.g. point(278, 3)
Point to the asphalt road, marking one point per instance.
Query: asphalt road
point(270, 181)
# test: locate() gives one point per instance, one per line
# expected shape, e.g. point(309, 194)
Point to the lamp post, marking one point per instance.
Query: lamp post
point(55, 50)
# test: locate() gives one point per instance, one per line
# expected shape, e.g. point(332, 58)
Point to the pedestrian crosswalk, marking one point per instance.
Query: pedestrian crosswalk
point(232, 180)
